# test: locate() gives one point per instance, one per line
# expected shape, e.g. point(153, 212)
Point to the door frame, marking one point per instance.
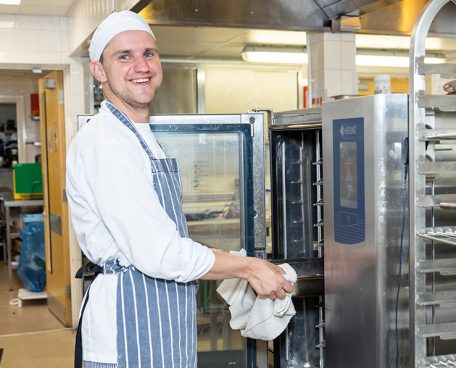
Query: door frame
point(70, 128)
point(71, 111)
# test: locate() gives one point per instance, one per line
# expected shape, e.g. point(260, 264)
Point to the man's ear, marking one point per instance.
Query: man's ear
point(98, 71)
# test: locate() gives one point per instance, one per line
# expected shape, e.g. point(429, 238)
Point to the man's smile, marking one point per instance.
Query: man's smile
point(140, 80)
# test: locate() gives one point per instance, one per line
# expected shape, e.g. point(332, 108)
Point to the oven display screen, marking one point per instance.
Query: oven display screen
point(349, 175)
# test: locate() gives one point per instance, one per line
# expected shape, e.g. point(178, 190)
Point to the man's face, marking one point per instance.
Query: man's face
point(131, 71)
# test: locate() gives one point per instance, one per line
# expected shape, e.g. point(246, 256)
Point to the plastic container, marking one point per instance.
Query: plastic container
point(31, 268)
point(27, 181)
point(382, 84)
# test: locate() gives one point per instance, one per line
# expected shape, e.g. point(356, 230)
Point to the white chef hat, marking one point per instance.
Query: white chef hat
point(111, 26)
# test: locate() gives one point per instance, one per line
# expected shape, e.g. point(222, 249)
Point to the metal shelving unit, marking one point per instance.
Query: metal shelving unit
point(432, 201)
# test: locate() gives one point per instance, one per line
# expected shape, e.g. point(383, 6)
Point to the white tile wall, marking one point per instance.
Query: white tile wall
point(6, 56)
point(235, 90)
point(85, 15)
point(33, 40)
point(333, 65)
point(74, 97)
point(333, 82)
point(348, 55)
point(8, 40)
point(333, 55)
point(349, 84)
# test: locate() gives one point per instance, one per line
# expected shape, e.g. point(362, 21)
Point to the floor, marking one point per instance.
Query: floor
point(31, 336)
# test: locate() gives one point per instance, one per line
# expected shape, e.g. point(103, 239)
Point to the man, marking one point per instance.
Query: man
point(124, 196)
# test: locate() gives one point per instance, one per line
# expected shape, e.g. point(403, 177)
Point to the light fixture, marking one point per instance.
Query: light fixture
point(10, 2)
point(283, 55)
point(388, 42)
point(276, 37)
point(392, 60)
point(296, 55)
point(37, 70)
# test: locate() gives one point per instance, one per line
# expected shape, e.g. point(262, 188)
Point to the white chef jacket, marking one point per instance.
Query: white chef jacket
point(116, 213)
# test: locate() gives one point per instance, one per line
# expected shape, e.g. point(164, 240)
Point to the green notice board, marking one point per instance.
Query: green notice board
point(28, 181)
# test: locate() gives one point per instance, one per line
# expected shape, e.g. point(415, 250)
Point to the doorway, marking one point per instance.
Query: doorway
point(30, 332)
point(8, 136)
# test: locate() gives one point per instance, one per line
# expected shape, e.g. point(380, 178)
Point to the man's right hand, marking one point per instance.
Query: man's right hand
point(266, 278)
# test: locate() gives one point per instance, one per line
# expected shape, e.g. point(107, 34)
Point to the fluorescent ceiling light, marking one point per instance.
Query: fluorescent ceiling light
point(364, 41)
point(283, 55)
point(273, 37)
point(10, 2)
point(387, 42)
point(392, 61)
point(289, 55)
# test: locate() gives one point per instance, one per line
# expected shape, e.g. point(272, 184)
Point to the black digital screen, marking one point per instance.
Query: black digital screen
point(348, 175)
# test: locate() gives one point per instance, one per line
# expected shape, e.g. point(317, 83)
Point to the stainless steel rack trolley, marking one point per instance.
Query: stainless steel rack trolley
point(432, 200)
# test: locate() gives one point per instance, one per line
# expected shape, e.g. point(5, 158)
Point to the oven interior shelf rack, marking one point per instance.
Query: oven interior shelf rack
point(297, 230)
point(432, 201)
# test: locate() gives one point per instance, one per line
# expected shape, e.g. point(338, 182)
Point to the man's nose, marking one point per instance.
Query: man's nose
point(141, 65)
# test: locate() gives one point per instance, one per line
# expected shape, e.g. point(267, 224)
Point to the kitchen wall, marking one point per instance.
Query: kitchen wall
point(234, 90)
point(27, 39)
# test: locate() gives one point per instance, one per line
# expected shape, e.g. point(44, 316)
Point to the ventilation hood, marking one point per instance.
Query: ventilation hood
point(371, 16)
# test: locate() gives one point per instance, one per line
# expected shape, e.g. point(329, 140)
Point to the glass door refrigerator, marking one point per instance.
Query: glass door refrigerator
point(221, 158)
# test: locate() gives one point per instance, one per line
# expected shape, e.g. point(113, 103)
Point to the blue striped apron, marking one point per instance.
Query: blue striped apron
point(156, 318)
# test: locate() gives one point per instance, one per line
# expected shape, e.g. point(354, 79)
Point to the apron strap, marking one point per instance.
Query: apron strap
point(91, 271)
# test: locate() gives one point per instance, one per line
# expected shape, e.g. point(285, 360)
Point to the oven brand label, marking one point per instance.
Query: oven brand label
point(348, 130)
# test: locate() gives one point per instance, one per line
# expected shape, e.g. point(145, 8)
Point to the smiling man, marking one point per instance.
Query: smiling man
point(125, 200)
point(130, 72)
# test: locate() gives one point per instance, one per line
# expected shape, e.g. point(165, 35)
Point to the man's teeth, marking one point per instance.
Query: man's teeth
point(143, 80)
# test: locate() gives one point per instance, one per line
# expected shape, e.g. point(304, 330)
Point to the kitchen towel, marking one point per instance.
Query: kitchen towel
point(255, 316)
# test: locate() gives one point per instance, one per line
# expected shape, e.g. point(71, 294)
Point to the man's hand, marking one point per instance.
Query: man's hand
point(264, 277)
point(267, 279)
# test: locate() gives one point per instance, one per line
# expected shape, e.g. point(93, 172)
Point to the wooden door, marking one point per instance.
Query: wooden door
point(52, 131)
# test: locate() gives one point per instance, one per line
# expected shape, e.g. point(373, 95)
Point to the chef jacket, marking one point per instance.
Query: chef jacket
point(116, 214)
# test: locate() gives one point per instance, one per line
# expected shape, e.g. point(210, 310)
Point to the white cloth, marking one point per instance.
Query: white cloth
point(111, 26)
point(116, 213)
point(257, 317)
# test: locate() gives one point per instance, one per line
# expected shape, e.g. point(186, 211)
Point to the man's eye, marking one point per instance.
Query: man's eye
point(124, 57)
point(149, 54)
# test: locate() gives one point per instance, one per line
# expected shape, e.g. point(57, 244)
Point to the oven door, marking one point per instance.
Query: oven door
point(297, 233)
point(221, 159)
